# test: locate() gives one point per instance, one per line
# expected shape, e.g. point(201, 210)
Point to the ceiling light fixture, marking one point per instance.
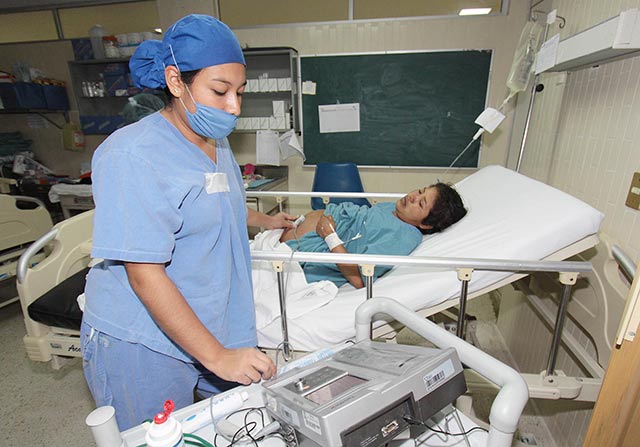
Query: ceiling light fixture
point(474, 11)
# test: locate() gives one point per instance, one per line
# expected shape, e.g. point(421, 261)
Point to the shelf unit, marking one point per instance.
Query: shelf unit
point(278, 63)
point(101, 114)
point(98, 114)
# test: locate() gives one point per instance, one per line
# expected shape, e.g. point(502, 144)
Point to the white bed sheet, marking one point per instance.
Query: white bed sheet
point(510, 217)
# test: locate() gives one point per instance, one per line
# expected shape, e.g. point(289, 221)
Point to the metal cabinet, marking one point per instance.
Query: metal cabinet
point(271, 97)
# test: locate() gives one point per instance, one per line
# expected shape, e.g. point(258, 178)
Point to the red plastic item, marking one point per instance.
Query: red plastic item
point(249, 169)
point(161, 418)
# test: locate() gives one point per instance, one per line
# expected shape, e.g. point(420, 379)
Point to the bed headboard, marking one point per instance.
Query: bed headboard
point(69, 253)
point(21, 226)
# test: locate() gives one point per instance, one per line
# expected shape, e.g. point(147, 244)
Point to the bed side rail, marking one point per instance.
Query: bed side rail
point(625, 262)
point(496, 265)
point(280, 195)
point(25, 259)
point(337, 195)
point(35, 200)
point(568, 273)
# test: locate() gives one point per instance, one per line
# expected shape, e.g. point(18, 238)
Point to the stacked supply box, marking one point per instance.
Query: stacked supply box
point(117, 79)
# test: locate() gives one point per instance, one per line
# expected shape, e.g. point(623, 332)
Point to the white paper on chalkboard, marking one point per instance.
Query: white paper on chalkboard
point(339, 118)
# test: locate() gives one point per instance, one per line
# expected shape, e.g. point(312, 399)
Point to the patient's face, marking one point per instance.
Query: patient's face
point(415, 206)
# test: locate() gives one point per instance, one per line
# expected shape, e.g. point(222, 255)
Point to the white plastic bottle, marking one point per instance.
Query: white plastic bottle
point(97, 32)
point(220, 406)
point(104, 427)
point(165, 431)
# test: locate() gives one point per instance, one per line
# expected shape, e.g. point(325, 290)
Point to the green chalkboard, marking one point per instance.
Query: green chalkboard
point(416, 109)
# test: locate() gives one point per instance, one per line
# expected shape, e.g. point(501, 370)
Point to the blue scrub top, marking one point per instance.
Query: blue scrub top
point(153, 206)
point(363, 230)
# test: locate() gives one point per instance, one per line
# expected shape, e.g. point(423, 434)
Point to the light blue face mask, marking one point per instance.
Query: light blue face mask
point(208, 121)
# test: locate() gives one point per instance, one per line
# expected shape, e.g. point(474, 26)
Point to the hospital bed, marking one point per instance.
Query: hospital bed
point(511, 218)
point(22, 221)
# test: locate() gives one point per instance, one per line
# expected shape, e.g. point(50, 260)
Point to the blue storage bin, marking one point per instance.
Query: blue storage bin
point(117, 68)
point(22, 95)
point(101, 124)
point(8, 95)
point(56, 97)
point(113, 82)
point(30, 95)
point(89, 124)
point(82, 50)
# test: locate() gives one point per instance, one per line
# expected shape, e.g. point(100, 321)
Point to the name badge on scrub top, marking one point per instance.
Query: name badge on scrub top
point(216, 182)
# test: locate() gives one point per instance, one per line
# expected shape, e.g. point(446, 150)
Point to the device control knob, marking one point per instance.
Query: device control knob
point(300, 384)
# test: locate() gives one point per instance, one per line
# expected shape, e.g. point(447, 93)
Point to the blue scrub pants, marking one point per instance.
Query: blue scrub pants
point(136, 381)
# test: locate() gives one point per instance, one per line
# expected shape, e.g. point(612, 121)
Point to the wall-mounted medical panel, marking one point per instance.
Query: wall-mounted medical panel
point(614, 38)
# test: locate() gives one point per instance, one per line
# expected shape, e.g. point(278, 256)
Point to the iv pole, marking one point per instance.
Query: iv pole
point(535, 88)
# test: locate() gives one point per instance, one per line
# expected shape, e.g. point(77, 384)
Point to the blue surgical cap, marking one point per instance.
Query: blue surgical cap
point(197, 41)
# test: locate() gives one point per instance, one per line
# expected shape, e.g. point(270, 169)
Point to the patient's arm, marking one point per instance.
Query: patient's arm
point(280, 220)
point(173, 314)
point(351, 272)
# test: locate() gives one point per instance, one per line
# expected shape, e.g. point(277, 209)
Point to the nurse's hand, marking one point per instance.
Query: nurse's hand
point(282, 220)
point(244, 365)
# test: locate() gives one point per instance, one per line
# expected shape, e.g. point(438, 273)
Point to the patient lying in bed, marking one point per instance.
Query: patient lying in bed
point(385, 229)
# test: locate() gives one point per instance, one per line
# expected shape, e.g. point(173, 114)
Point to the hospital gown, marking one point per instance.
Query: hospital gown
point(363, 230)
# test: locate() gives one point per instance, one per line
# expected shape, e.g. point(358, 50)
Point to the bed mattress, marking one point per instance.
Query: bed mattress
point(510, 216)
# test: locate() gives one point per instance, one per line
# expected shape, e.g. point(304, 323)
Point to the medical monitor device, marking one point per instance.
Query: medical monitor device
point(361, 395)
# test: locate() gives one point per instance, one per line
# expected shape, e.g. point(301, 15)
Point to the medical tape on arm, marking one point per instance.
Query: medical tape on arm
point(333, 240)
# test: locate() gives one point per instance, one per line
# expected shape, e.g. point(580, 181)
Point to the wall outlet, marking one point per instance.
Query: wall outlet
point(633, 197)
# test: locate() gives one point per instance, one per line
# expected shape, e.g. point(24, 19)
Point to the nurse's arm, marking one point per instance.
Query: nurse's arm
point(175, 317)
point(280, 220)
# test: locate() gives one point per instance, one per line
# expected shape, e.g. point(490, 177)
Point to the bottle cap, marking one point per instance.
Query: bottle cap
point(162, 417)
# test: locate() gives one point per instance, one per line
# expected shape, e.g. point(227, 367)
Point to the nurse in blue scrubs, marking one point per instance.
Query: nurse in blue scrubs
point(170, 309)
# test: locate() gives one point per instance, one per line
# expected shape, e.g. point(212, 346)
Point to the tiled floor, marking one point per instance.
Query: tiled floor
point(38, 406)
point(484, 333)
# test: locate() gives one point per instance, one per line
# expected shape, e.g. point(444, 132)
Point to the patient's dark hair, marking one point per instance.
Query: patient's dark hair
point(447, 210)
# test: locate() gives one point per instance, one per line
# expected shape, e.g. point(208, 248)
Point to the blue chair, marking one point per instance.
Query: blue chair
point(337, 177)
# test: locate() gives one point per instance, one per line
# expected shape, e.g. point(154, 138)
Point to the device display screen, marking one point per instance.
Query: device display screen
point(334, 389)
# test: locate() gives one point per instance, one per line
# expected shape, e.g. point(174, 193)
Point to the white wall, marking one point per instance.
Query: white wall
point(499, 33)
point(584, 139)
point(597, 145)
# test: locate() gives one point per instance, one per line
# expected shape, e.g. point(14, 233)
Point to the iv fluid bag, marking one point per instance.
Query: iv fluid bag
point(525, 57)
